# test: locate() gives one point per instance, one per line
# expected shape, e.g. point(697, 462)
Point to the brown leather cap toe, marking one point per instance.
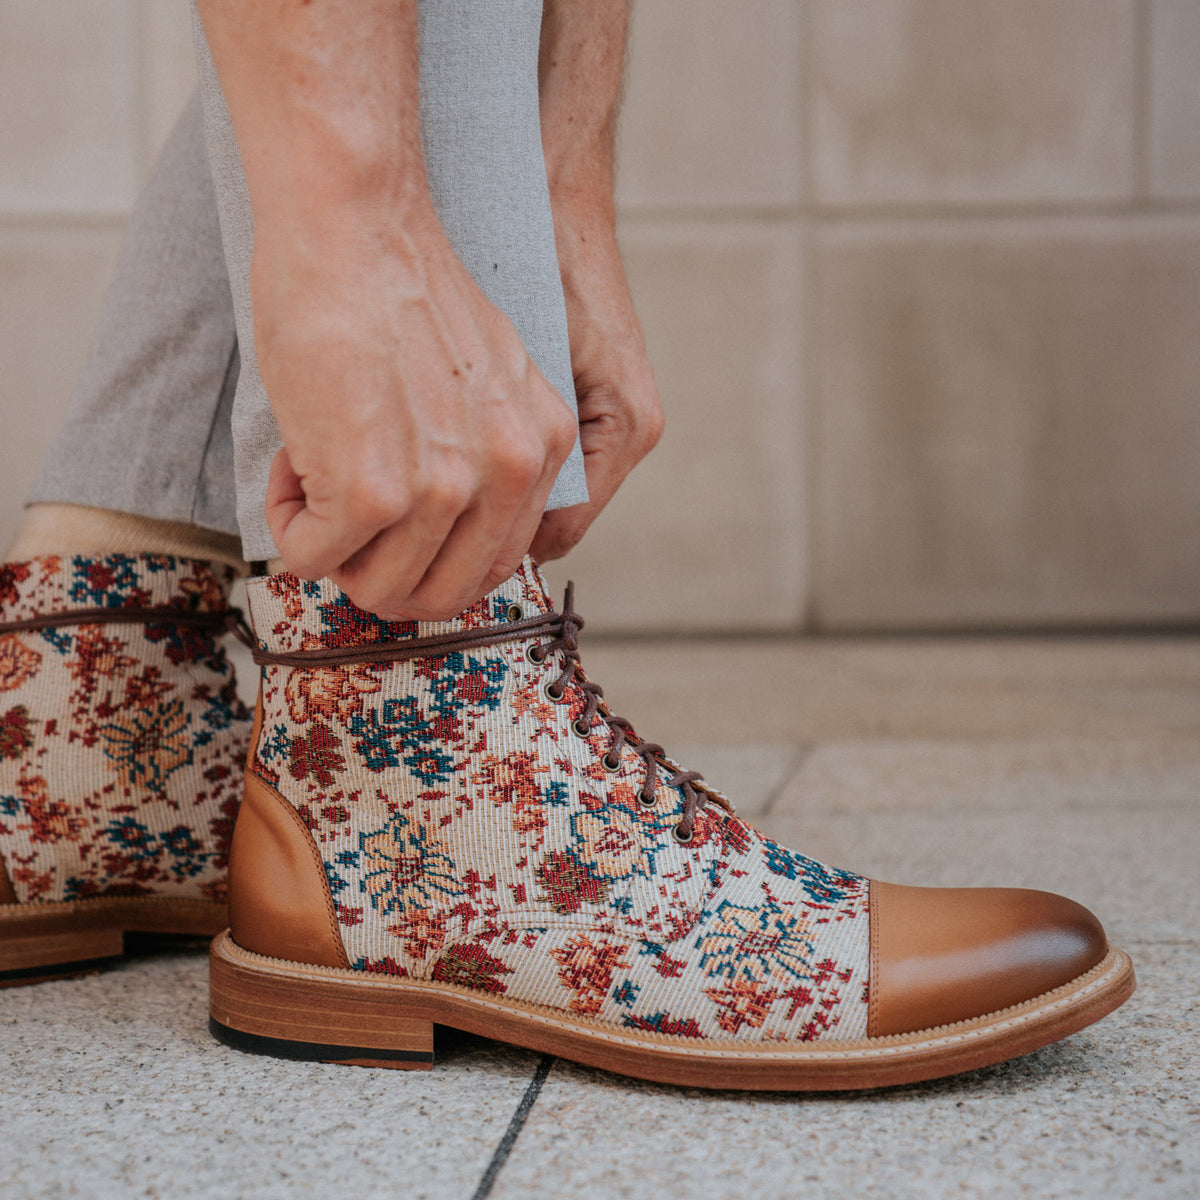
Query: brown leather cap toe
point(940, 955)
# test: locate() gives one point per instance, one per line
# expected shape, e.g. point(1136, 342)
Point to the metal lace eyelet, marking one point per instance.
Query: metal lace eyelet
point(683, 841)
point(611, 762)
point(553, 692)
point(647, 801)
point(581, 728)
point(535, 654)
point(514, 612)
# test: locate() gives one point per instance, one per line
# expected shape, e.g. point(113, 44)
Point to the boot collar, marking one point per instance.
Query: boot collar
point(291, 614)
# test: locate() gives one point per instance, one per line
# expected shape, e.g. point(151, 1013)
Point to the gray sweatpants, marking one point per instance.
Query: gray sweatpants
point(170, 418)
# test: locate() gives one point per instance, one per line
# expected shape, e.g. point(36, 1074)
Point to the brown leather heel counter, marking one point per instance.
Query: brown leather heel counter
point(279, 899)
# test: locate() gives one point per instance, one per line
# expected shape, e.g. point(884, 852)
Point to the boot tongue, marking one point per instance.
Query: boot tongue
point(299, 614)
point(535, 594)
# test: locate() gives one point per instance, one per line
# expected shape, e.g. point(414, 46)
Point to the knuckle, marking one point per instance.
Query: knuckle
point(651, 426)
point(502, 569)
point(518, 459)
point(366, 598)
point(301, 560)
point(375, 501)
point(302, 566)
point(447, 493)
point(560, 542)
point(556, 437)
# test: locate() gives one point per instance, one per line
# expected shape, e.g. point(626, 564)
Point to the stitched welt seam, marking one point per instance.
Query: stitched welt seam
point(888, 1048)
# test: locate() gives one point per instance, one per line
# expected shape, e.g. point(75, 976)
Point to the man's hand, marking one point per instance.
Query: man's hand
point(620, 414)
point(421, 442)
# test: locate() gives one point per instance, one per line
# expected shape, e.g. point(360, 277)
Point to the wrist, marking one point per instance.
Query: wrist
point(601, 320)
point(330, 232)
point(332, 190)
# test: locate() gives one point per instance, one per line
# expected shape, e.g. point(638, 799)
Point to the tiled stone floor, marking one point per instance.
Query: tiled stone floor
point(1071, 764)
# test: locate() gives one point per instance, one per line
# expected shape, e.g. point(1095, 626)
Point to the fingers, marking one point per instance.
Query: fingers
point(448, 547)
point(489, 541)
point(615, 439)
point(309, 546)
point(518, 541)
point(381, 576)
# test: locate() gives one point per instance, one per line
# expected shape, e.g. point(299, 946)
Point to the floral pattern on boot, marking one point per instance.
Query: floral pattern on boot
point(121, 744)
point(474, 830)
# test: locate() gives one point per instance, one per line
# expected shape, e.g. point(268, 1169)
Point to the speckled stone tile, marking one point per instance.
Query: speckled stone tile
point(1136, 872)
point(1109, 1112)
point(1115, 825)
point(113, 1087)
point(804, 690)
point(1027, 778)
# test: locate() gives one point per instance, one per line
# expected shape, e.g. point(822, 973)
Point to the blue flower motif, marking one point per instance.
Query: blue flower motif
point(754, 943)
point(104, 582)
point(626, 994)
point(400, 723)
point(556, 792)
point(218, 713)
point(58, 640)
point(134, 838)
point(277, 745)
point(406, 866)
point(822, 884)
point(180, 842)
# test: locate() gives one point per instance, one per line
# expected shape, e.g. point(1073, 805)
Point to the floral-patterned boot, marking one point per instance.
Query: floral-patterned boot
point(445, 824)
point(122, 746)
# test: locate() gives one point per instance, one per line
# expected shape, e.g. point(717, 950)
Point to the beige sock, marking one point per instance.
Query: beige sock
point(75, 529)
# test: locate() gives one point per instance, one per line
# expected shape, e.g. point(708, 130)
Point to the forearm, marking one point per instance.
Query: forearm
point(580, 68)
point(620, 417)
point(324, 104)
point(420, 441)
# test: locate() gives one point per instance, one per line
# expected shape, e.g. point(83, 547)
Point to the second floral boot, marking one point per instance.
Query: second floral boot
point(122, 744)
point(446, 824)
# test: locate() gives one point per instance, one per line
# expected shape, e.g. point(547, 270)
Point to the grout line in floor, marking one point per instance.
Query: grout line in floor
point(506, 1143)
point(797, 760)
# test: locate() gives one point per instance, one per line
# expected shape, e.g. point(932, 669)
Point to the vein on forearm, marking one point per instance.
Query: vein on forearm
point(324, 102)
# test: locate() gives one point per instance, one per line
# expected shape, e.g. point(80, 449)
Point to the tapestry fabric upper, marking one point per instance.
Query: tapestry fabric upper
point(472, 834)
point(121, 745)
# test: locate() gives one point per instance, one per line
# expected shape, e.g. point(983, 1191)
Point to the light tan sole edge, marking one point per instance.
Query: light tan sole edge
point(331, 1014)
point(60, 939)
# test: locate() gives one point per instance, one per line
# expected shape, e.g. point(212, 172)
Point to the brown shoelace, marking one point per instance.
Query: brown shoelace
point(562, 630)
point(217, 622)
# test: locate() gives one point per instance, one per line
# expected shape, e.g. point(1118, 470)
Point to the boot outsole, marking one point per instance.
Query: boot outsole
point(63, 939)
point(332, 1014)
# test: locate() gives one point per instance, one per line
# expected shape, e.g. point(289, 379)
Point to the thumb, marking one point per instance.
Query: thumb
point(559, 531)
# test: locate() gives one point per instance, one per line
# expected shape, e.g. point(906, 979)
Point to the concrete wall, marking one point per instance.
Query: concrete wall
point(921, 281)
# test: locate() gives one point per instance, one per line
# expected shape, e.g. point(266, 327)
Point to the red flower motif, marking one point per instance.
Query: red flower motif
point(471, 966)
point(10, 575)
point(587, 967)
point(15, 737)
point(316, 755)
point(569, 883)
